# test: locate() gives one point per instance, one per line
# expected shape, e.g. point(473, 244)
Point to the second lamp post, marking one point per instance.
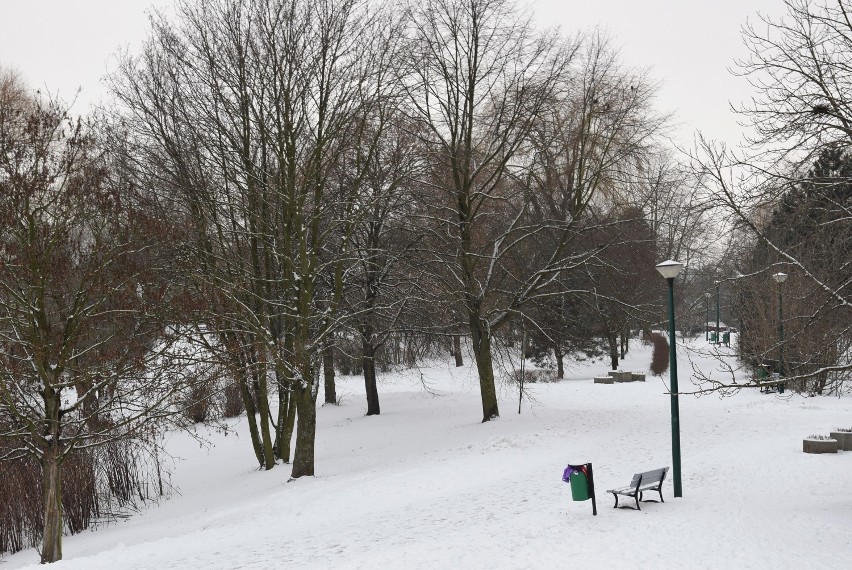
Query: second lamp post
point(780, 278)
point(707, 318)
point(718, 338)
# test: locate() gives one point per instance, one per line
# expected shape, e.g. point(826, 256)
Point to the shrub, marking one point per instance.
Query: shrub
point(660, 355)
point(198, 400)
point(234, 405)
point(534, 376)
point(347, 356)
point(97, 484)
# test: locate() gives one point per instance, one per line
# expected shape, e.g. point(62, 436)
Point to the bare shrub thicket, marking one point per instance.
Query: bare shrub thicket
point(98, 484)
point(200, 403)
point(402, 349)
point(205, 399)
point(660, 355)
point(534, 376)
point(233, 404)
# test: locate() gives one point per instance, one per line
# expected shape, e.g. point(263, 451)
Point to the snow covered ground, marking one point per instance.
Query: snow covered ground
point(426, 485)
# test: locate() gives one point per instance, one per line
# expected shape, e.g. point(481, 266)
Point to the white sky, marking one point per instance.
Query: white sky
point(687, 44)
point(62, 45)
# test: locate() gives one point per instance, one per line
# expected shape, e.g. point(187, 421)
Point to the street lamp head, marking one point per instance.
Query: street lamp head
point(670, 269)
point(707, 295)
point(780, 277)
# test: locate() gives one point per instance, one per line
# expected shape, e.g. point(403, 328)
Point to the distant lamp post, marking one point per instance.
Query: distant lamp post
point(738, 307)
point(707, 317)
point(670, 269)
point(780, 278)
point(718, 340)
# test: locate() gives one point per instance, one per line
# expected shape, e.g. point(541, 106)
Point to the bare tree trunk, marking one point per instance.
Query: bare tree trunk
point(51, 481)
point(481, 342)
point(259, 375)
point(368, 362)
point(51, 549)
point(457, 350)
point(251, 415)
point(286, 411)
point(612, 340)
point(328, 371)
point(303, 458)
point(560, 365)
point(287, 433)
point(410, 351)
point(397, 350)
point(625, 340)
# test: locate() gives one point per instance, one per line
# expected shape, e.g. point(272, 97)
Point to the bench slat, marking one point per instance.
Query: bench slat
point(653, 476)
point(631, 490)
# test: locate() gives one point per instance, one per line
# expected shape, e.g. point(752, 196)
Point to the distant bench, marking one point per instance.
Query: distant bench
point(769, 381)
point(647, 481)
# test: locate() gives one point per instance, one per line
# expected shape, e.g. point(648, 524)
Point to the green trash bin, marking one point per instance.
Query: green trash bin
point(726, 338)
point(579, 486)
point(712, 336)
point(582, 481)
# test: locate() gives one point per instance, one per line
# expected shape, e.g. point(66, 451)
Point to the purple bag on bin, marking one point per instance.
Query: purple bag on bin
point(571, 469)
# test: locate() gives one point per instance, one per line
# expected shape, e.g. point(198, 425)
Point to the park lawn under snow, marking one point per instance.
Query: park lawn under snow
point(426, 485)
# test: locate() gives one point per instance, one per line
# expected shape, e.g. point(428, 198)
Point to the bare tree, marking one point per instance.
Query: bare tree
point(799, 67)
point(622, 280)
point(591, 151)
point(381, 284)
point(86, 357)
point(252, 111)
point(676, 210)
point(477, 78)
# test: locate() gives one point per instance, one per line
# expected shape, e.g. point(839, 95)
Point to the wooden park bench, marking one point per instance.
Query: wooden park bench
point(647, 481)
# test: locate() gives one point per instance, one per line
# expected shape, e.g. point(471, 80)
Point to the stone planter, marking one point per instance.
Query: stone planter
point(844, 440)
point(819, 445)
point(635, 377)
point(620, 376)
point(604, 379)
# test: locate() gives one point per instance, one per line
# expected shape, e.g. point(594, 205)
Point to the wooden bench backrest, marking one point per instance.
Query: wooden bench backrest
point(649, 477)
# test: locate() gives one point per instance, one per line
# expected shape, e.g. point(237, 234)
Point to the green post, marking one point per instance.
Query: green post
point(780, 278)
point(780, 331)
point(674, 401)
point(717, 313)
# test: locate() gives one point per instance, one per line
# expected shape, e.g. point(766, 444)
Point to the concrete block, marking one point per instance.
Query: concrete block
point(819, 446)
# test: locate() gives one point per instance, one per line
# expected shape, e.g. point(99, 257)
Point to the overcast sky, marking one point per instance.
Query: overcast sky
point(63, 45)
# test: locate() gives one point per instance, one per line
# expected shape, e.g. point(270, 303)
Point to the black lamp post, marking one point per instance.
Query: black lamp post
point(780, 278)
point(670, 269)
